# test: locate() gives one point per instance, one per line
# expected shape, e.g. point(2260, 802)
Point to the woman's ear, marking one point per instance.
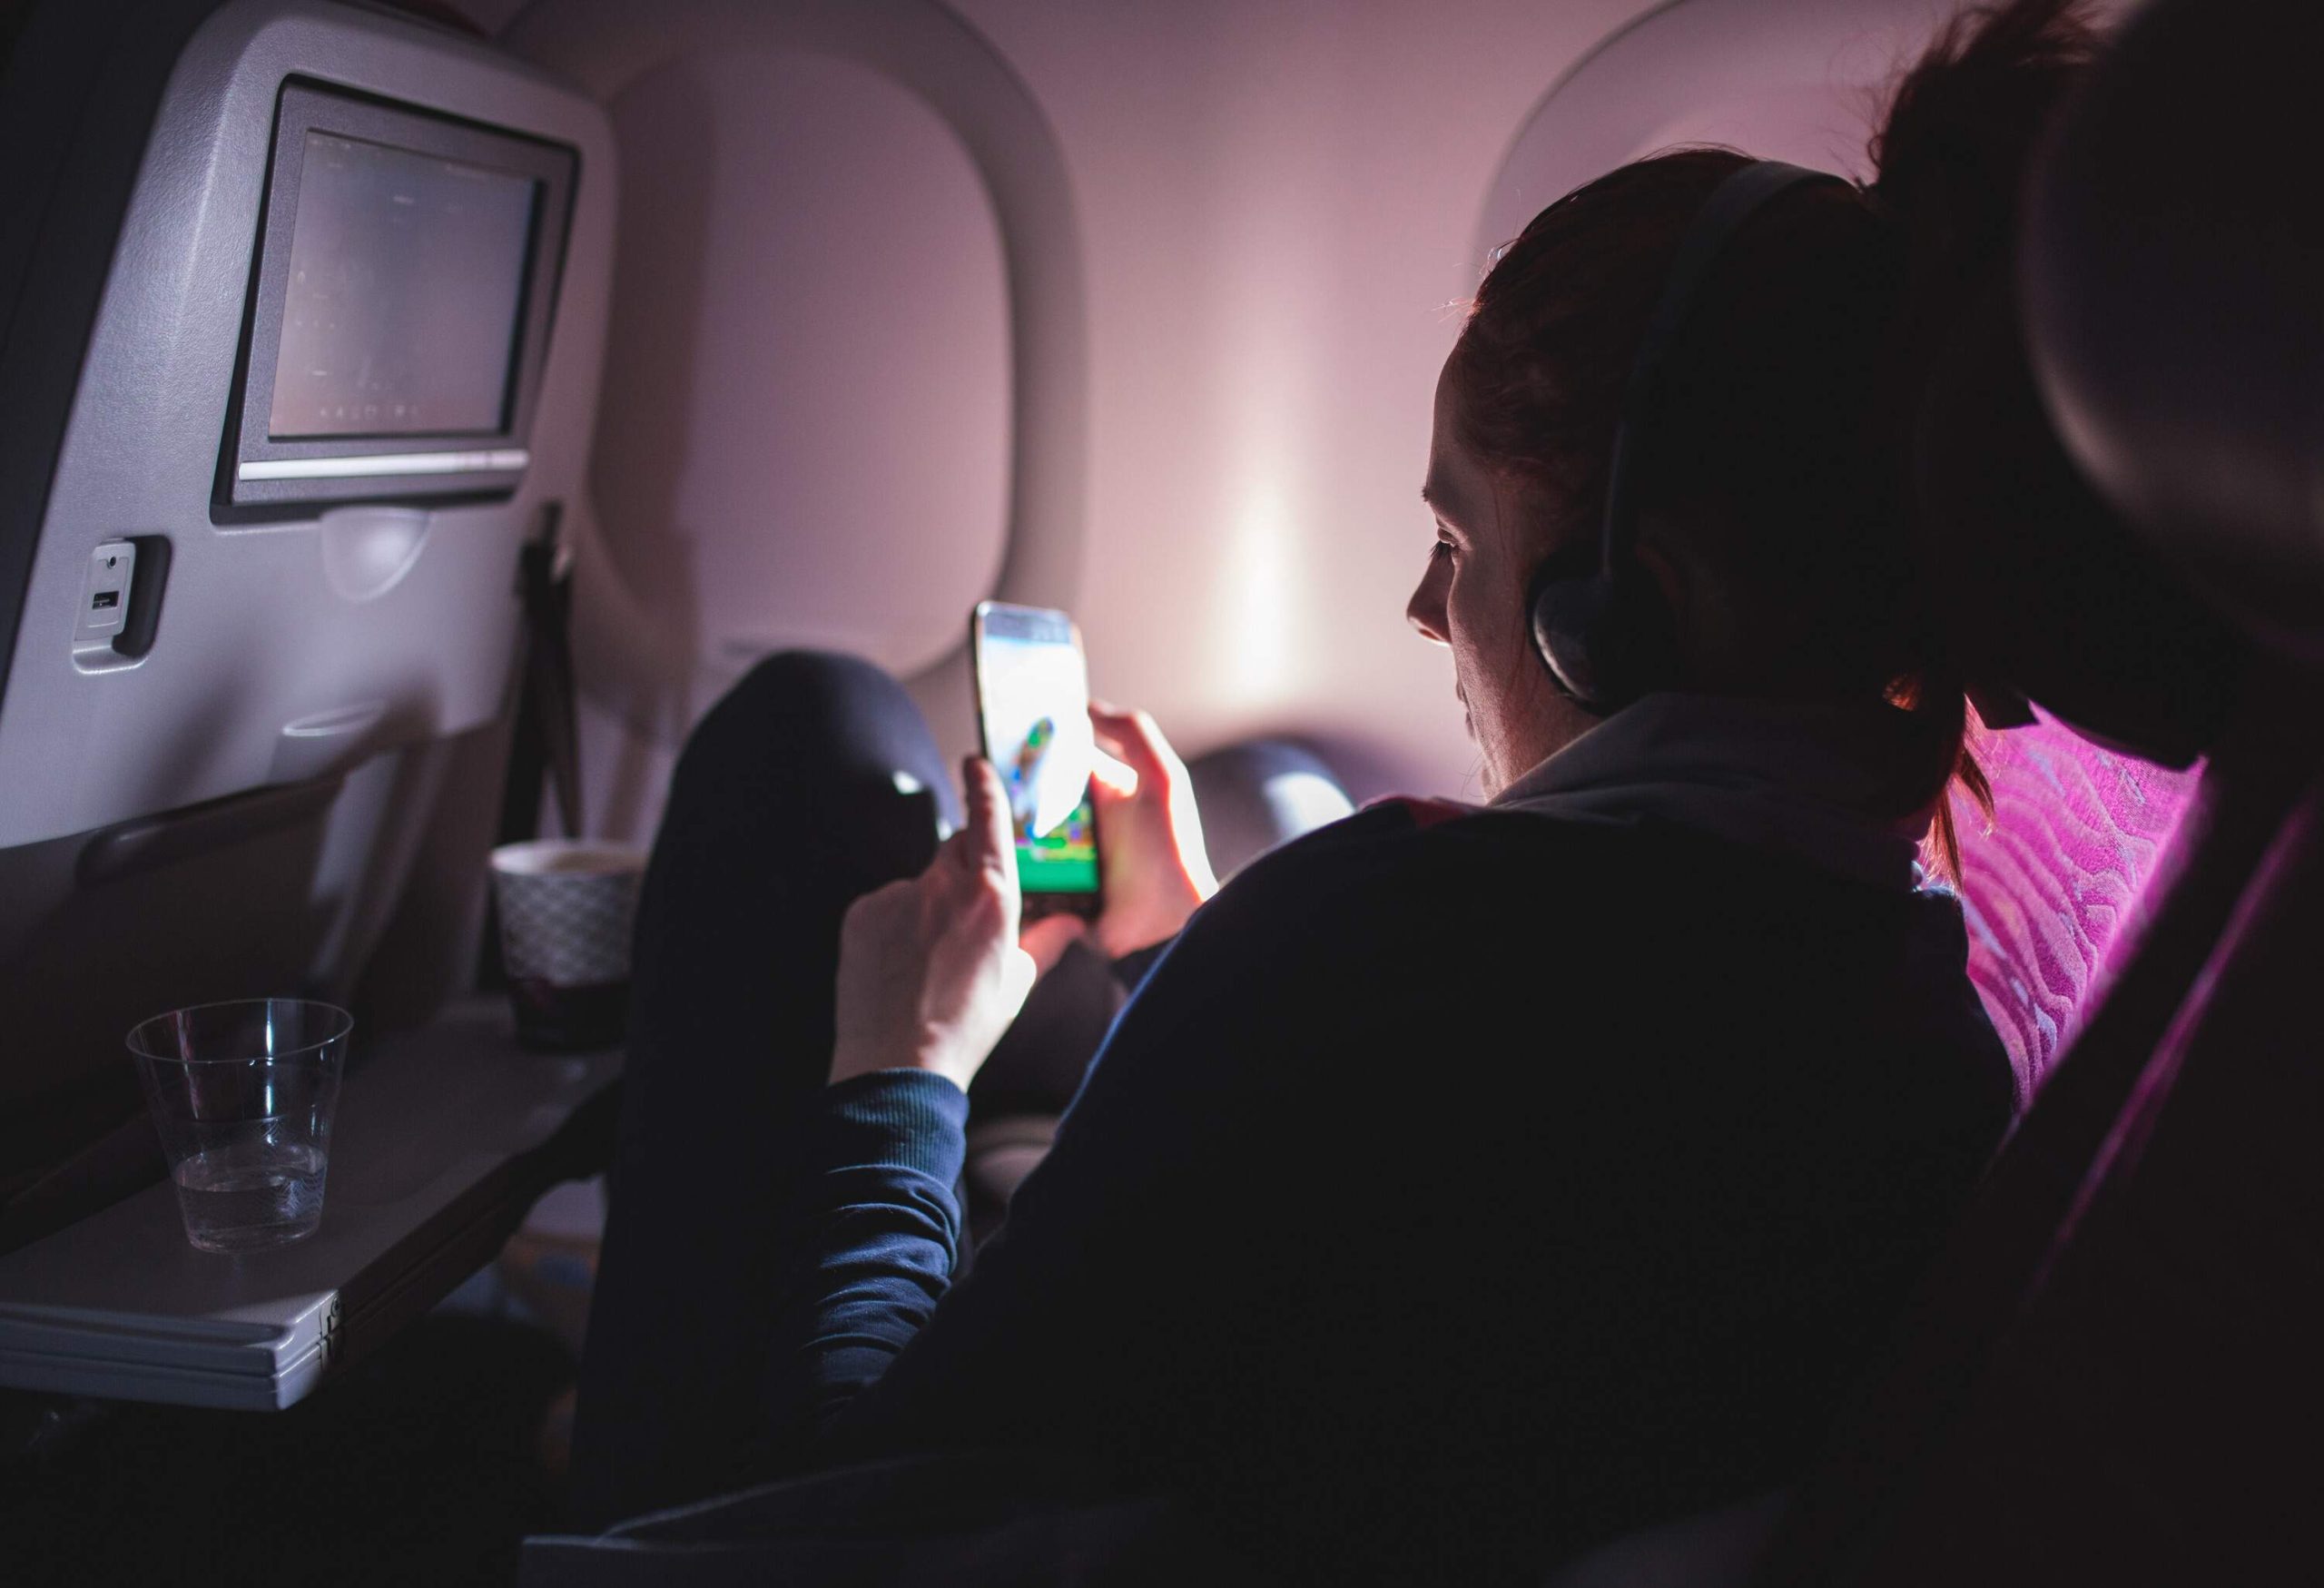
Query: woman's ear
point(1670, 576)
point(1676, 580)
point(1705, 622)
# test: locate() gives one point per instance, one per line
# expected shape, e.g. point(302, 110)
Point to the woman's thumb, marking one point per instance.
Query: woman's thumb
point(1018, 974)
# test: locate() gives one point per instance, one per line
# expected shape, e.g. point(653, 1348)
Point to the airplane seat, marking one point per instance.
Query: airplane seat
point(2054, 885)
point(2103, 684)
point(256, 602)
point(1258, 792)
point(2118, 725)
point(2109, 1376)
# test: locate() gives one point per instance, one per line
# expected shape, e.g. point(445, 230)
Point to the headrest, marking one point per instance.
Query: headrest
point(2172, 280)
point(2044, 593)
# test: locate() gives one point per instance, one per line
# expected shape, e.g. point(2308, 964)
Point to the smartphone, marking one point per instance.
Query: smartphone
point(1032, 688)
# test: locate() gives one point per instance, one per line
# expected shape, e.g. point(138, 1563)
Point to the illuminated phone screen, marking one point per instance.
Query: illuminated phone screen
point(1033, 695)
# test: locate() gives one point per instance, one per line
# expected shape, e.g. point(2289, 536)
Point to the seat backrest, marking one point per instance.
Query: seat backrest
point(255, 655)
point(2052, 886)
point(2111, 1372)
point(1885, 1505)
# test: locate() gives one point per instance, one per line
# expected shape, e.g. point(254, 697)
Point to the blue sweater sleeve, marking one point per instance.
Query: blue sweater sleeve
point(872, 1236)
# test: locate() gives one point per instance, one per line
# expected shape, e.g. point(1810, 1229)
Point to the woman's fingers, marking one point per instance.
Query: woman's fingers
point(1114, 777)
point(991, 840)
point(1131, 736)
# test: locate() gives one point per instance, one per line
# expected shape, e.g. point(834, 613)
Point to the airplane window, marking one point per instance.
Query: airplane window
point(809, 276)
point(1804, 87)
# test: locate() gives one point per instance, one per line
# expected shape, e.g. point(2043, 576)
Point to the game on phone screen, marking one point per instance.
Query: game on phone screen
point(1033, 690)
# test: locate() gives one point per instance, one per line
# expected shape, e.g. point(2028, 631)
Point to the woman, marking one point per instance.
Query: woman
point(1461, 1186)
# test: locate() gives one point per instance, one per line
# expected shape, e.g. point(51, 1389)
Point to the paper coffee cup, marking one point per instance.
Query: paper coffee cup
point(566, 910)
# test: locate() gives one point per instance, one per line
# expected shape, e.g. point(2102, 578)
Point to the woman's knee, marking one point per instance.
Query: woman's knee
point(796, 696)
point(811, 739)
point(818, 709)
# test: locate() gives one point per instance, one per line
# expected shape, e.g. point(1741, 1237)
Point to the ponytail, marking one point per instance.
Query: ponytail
point(1952, 154)
point(1952, 149)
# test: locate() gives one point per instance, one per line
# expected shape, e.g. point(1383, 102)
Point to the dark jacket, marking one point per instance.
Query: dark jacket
point(1451, 1196)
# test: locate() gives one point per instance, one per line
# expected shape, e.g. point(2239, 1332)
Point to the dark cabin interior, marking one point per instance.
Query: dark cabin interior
point(750, 329)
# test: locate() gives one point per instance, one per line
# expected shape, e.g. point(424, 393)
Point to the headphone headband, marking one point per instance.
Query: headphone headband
point(1602, 638)
point(1731, 204)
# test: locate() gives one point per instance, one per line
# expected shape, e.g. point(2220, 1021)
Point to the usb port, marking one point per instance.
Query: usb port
point(105, 598)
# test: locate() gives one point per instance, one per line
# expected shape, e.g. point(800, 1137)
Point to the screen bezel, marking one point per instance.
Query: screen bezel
point(1038, 901)
point(461, 463)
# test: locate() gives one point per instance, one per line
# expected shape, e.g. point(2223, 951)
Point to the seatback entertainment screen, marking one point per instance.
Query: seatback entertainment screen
point(401, 305)
point(399, 315)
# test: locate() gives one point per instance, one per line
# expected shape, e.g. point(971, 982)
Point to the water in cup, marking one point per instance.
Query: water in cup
point(243, 1095)
point(252, 1194)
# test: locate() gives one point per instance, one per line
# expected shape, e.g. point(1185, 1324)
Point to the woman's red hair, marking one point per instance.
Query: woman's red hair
point(1784, 452)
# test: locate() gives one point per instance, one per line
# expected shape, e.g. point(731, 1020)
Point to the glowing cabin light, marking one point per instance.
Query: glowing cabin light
point(1268, 356)
point(1259, 653)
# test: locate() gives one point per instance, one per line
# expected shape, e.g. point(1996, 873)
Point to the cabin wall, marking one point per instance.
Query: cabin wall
point(1279, 205)
point(1276, 210)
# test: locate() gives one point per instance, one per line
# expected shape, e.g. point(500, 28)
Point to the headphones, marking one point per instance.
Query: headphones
point(1607, 637)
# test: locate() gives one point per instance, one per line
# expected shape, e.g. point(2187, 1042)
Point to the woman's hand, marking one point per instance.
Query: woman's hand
point(929, 970)
point(1149, 833)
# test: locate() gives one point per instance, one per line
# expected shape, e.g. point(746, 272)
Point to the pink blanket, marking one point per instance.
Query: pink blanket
point(2075, 832)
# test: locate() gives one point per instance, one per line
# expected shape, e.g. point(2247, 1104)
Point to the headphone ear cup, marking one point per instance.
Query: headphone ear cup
point(1605, 641)
point(1572, 618)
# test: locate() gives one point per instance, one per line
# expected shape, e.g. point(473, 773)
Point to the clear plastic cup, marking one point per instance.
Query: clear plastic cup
point(243, 1094)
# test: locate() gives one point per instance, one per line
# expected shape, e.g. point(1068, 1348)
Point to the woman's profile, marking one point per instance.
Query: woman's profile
point(1462, 1185)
